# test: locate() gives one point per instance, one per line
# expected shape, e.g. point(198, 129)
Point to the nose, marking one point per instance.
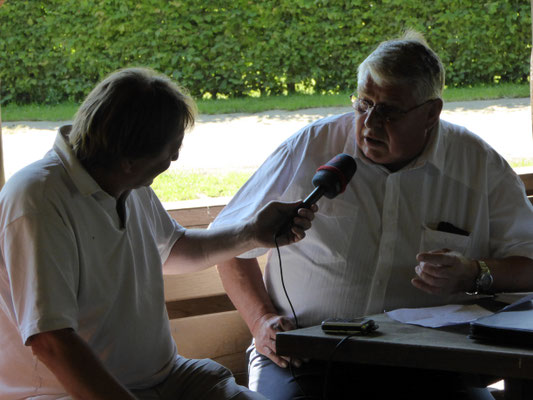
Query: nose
point(372, 119)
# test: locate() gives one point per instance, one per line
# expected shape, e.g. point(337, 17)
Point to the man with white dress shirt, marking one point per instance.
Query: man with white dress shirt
point(432, 212)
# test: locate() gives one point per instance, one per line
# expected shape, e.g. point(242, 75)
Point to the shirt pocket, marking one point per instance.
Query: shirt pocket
point(436, 240)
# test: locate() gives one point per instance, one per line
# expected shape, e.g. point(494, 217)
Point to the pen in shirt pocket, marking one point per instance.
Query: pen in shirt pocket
point(450, 228)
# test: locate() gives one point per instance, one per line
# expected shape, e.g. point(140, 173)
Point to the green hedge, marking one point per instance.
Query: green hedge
point(56, 50)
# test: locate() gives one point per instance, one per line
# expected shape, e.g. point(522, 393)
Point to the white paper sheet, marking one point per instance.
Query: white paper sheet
point(434, 317)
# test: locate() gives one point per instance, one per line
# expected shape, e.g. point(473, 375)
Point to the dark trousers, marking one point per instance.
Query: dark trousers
point(319, 381)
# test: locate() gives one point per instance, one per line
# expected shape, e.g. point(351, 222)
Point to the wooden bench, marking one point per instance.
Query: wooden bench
point(526, 174)
point(203, 320)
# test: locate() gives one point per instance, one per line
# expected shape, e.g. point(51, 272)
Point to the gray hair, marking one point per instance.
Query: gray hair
point(132, 113)
point(406, 61)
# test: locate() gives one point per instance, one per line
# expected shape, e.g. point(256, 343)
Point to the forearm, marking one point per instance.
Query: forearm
point(76, 367)
point(243, 282)
point(199, 249)
point(512, 274)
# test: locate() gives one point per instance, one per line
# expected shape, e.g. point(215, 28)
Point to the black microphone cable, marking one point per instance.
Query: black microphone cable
point(330, 180)
point(330, 361)
point(305, 396)
point(337, 347)
point(283, 283)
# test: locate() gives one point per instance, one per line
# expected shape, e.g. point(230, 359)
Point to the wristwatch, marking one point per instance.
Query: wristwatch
point(484, 279)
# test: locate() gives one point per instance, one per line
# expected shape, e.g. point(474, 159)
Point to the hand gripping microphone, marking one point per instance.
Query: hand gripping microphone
point(331, 178)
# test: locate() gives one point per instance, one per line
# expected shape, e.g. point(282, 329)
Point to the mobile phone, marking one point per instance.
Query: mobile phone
point(349, 326)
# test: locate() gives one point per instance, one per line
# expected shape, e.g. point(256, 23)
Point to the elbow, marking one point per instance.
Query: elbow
point(45, 346)
point(226, 265)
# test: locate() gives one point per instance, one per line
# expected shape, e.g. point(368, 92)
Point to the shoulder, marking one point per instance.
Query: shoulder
point(332, 132)
point(145, 199)
point(458, 140)
point(340, 125)
point(458, 137)
point(147, 210)
point(34, 188)
point(147, 204)
point(337, 121)
point(467, 154)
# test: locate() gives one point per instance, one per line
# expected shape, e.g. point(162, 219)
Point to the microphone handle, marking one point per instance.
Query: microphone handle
point(313, 197)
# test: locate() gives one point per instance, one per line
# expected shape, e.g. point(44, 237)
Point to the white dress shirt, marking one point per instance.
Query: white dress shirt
point(359, 256)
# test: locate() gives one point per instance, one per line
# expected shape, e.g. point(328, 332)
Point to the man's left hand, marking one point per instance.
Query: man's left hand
point(444, 272)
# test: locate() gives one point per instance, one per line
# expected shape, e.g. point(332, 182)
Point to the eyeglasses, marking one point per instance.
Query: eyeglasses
point(382, 111)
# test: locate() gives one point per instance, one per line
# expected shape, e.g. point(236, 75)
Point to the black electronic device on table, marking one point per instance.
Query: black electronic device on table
point(349, 326)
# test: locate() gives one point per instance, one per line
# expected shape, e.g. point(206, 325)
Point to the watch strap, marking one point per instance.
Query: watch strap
point(484, 279)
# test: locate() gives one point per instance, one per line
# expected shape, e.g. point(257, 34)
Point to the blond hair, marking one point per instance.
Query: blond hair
point(406, 61)
point(131, 114)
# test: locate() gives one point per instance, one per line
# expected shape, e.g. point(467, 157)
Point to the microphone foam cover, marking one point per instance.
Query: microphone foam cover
point(335, 174)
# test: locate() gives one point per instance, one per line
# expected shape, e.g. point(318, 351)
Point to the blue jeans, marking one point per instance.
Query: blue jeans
point(197, 379)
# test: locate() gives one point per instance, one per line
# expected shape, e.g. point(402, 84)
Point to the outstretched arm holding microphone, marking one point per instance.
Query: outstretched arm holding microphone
point(199, 249)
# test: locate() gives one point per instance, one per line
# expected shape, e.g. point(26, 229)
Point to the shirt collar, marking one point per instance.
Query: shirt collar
point(432, 153)
point(80, 177)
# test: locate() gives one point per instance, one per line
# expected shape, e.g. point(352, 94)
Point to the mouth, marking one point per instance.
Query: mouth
point(373, 142)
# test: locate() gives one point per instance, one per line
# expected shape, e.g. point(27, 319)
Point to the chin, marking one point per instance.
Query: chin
point(144, 184)
point(376, 157)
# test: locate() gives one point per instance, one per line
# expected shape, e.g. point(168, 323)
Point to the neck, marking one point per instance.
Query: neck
point(109, 180)
point(399, 165)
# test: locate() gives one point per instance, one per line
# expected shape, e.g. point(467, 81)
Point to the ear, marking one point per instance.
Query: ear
point(434, 113)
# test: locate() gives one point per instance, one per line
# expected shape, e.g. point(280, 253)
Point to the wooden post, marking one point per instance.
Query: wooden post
point(2, 175)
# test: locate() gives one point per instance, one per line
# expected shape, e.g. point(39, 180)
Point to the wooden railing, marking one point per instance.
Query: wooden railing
point(526, 174)
point(204, 322)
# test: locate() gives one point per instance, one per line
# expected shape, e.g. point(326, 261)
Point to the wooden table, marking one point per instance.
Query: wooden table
point(402, 345)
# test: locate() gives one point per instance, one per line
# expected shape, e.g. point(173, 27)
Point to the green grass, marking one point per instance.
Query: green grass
point(259, 104)
point(66, 111)
point(184, 185)
point(520, 162)
point(39, 112)
point(485, 92)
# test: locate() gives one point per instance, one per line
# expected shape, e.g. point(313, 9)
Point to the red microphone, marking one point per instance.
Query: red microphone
point(331, 178)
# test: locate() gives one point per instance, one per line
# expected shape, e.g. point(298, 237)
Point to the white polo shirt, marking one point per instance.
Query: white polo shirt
point(67, 263)
point(359, 256)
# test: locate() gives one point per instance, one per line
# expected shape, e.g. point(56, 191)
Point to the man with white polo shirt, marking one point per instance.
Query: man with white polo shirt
point(431, 213)
point(83, 241)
